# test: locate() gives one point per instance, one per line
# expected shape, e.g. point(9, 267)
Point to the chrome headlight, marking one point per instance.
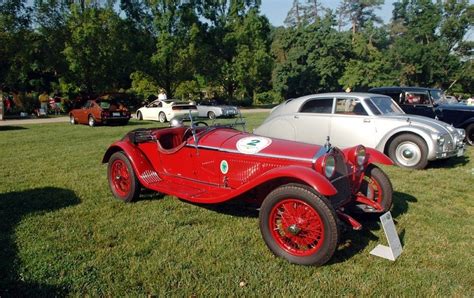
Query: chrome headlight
point(441, 140)
point(330, 166)
point(326, 165)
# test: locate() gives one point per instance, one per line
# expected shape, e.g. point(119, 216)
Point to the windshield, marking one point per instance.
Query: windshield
point(438, 96)
point(383, 105)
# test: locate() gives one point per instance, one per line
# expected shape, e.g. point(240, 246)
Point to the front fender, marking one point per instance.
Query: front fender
point(375, 156)
point(139, 161)
point(308, 175)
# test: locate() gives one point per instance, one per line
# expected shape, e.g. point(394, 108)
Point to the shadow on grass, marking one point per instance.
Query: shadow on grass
point(448, 162)
point(11, 127)
point(353, 242)
point(13, 207)
point(236, 207)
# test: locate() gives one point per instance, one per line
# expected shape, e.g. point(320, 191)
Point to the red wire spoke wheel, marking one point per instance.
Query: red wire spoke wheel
point(376, 186)
point(299, 225)
point(122, 179)
point(296, 227)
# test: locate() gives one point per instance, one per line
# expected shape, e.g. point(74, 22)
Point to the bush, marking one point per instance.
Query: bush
point(268, 97)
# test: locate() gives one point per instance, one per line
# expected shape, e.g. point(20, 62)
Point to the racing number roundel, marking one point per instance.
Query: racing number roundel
point(224, 167)
point(252, 145)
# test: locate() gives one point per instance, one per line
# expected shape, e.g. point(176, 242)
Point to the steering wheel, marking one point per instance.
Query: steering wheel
point(200, 122)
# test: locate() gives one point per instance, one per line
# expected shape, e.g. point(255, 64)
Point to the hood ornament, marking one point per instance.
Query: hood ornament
point(327, 145)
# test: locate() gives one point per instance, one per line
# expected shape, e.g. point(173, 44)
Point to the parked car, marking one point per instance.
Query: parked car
point(212, 110)
point(362, 118)
point(432, 103)
point(165, 110)
point(100, 111)
point(303, 190)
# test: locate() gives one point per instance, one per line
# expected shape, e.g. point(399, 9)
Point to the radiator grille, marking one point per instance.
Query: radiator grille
point(340, 181)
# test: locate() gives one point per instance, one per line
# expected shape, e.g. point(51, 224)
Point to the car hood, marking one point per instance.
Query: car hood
point(456, 107)
point(430, 124)
point(234, 141)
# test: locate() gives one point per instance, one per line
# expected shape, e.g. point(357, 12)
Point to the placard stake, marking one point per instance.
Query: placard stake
point(394, 249)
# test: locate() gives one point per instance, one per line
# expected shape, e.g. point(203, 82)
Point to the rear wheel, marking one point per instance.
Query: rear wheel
point(162, 117)
point(122, 179)
point(211, 115)
point(409, 151)
point(376, 186)
point(470, 134)
point(299, 225)
point(91, 121)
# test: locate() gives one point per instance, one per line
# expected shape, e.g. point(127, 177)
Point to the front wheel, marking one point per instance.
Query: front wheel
point(470, 134)
point(299, 225)
point(139, 116)
point(376, 186)
point(122, 179)
point(72, 120)
point(409, 151)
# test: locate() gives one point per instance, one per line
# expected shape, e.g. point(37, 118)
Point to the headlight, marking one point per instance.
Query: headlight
point(326, 165)
point(330, 166)
point(441, 140)
point(360, 155)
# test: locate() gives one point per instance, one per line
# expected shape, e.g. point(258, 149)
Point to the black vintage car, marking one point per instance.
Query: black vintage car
point(431, 102)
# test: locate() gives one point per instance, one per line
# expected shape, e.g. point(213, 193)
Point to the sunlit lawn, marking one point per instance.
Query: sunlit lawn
point(62, 232)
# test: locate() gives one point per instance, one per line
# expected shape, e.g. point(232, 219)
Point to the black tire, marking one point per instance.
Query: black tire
point(139, 116)
point(409, 151)
point(91, 121)
point(162, 117)
point(376, 186)
point(470, 134)
point(72, 120)
point(122, 179)
point(316, 217)
point(211, 115)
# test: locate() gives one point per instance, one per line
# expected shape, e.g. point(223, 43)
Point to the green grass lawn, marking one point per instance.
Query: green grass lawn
point(62, 232)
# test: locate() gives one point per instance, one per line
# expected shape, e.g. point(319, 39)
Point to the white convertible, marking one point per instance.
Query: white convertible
point(165, 110)
point(363, 118)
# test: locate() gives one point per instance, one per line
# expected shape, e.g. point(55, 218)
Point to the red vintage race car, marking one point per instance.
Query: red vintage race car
point(303, 190)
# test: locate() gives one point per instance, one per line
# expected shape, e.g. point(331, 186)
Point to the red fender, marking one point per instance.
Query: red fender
point(308, 175)
point(140, 163)
point(375, 156)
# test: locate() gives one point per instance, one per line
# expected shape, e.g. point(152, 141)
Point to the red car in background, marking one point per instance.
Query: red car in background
point(100, 111)
point(304, 191)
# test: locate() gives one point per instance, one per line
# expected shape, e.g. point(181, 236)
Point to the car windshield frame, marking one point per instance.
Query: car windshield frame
point(438, 96)
point(380, 105)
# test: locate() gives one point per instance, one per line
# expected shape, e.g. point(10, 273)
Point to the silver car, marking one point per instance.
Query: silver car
point(362, 118)
point(212, 110)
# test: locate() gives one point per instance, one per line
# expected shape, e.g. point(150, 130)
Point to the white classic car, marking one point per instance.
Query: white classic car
point(212, 110)
point(165, 110)
point(363, 118)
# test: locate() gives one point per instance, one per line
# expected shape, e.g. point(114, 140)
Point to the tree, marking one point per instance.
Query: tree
point(359, 13)
point(99, 52)
point(309, 59)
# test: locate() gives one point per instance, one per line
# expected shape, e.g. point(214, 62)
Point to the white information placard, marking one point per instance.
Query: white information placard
point(394, 249)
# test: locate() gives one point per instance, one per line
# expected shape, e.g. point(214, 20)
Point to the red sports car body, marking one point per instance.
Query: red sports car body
point(100, 111)
point(302, 189)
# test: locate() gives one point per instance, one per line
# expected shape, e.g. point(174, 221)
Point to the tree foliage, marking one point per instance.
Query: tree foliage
point(228, 49)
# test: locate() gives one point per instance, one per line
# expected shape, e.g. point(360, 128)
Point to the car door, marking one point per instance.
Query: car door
point(312, 121)
point(417, 103)
point(151, 111)
point(84, 112)
point(351, 124)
